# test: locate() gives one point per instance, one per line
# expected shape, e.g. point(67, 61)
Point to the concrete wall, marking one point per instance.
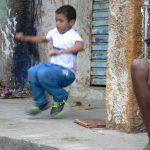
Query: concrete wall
point(15, 57)
point(45, 21)
point(5, 43)
point(125, 44)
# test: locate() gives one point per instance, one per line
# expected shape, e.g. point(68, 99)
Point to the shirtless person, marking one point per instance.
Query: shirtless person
point(140, 77)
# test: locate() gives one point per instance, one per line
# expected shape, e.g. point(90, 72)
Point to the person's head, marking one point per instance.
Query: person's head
point(65, 18)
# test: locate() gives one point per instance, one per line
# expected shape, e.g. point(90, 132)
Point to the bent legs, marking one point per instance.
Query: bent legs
point(50, 78)
point(139, 73)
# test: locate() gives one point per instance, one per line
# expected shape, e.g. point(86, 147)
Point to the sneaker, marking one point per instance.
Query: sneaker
point(58, 109)
point(37, 109)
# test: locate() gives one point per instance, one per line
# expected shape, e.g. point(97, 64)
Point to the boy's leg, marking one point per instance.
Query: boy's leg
point(38, 92)
point(53, 79)
point(139, 72)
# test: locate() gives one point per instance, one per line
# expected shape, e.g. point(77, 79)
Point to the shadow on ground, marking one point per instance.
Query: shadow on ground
point(13, 144)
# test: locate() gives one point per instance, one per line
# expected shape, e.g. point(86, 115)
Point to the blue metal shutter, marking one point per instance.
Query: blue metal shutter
point(99, 42)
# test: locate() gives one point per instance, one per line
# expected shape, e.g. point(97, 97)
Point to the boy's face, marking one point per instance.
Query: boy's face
point(62, 23)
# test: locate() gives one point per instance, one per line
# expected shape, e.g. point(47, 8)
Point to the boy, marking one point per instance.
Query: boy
point(140, 72)
point(53, 76)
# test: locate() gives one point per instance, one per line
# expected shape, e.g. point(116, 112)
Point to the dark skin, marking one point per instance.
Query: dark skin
point(139, 73)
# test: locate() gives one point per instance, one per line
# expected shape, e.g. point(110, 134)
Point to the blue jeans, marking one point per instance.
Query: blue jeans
point(51, 78)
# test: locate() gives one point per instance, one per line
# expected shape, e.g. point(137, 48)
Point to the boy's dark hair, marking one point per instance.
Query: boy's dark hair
point(68, 11)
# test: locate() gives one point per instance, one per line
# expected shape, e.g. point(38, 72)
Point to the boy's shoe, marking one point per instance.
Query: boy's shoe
point(58, 109)
point(37, 109)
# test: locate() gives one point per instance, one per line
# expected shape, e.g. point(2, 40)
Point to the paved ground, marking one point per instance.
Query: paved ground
point(62, 134)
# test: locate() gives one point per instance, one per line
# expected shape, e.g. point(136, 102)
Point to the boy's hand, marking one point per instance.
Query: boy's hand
point(19, 36)
point(54, 52)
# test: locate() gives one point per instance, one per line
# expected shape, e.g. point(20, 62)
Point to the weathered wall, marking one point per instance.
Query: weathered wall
point(16, 57)
point(5, 61)
point(80, 88)
point(19, 19)
point(125, 43)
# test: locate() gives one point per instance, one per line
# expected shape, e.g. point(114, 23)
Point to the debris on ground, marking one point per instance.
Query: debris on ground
point(80, 105)
point(8, 92)
point(13, 93)
point(91, 123)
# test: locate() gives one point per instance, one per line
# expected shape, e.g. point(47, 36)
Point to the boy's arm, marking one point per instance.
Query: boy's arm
point(77, 47)
point(28, 38)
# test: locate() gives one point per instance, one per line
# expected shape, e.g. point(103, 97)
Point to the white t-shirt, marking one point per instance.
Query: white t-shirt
point(64, 41)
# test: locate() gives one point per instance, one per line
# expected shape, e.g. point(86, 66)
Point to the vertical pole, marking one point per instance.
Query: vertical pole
point(146, 16)
point(145, 30)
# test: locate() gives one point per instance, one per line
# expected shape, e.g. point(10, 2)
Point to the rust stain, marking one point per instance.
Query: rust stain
point(126, 35)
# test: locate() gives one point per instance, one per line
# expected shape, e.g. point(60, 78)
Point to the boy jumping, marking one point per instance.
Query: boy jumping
point(53, 76)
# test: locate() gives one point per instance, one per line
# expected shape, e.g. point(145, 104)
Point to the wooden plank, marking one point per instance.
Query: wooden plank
point(91, 123)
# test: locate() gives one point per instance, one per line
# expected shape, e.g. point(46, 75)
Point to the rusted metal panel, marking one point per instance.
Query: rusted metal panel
point(99, 41)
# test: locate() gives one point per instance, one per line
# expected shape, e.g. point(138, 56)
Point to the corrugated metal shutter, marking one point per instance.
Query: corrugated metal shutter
point(99, 41)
